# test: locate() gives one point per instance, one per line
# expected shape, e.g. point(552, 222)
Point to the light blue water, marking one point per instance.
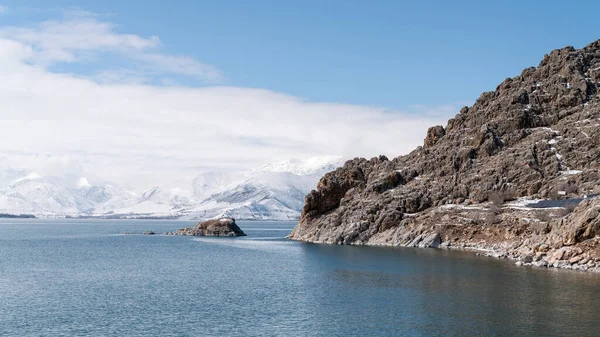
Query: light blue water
point(72, 277)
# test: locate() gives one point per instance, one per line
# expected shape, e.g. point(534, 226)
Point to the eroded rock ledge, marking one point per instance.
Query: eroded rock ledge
point(217, 227)
point(536, 136)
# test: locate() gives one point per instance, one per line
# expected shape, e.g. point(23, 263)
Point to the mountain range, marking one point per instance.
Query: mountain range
point(274, 191)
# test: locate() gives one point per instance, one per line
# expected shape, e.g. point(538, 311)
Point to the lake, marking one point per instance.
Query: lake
point(82, 278)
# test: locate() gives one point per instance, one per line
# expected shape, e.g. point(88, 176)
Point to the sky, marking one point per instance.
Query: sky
point(141, 93)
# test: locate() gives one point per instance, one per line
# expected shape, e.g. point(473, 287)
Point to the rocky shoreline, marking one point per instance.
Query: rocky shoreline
point(530, 237)
point(536, 137)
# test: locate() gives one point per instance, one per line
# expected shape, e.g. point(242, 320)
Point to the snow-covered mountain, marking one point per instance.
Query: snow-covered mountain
point(60, 196)
point(274, 191)
point(310, 166)
point(260, 195)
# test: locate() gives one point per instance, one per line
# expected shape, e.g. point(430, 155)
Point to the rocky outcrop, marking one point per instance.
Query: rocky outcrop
point(217, 227)
point(434, 134)
point(582, 225)
point(535, 135)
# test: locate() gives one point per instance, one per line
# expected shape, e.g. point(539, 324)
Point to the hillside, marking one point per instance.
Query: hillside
point(535, 137)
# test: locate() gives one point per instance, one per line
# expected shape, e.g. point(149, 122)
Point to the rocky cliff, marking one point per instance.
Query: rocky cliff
point(536, 136)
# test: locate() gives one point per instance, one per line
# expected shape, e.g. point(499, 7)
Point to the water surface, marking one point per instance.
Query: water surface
point(74, 277)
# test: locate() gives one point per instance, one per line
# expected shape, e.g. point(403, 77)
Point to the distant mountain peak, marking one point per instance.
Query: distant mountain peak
point(313, 165)
point(30, 176)
point(83, 182)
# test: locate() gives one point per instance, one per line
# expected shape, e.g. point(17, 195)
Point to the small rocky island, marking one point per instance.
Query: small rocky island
point(216, 227)
point(138, 233)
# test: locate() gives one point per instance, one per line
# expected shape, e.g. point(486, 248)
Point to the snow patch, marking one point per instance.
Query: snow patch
point(570, 172)
point(456, 206)
point(549, 129)
point(522, 202)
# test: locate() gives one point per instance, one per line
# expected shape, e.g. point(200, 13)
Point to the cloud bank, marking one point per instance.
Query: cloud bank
point(119, 125)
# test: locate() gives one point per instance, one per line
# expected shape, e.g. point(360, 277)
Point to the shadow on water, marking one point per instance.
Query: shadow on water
point(431, 290)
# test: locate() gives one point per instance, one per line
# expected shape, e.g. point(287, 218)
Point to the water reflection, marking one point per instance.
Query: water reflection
point(428, 291)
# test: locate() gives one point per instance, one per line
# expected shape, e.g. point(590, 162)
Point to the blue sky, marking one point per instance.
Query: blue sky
point(141, 93)
point(391, 54)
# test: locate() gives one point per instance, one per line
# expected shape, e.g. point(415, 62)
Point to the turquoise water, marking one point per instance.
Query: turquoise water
point(81, 278)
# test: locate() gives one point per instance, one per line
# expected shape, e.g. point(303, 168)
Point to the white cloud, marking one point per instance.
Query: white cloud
point(82, 36)
point(180, 65)
point(141, 135)
point(76, 35)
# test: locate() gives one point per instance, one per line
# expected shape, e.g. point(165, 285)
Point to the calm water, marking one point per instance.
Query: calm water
point(65, 278)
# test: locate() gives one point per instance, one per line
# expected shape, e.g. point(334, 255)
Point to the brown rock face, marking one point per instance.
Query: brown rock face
point(536, 134)
point(434, 134)
point(217, 227)
point(583, 224)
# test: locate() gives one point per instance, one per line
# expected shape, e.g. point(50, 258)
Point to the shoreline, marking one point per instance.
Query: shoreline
point(545, 238)
point(477, 251)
